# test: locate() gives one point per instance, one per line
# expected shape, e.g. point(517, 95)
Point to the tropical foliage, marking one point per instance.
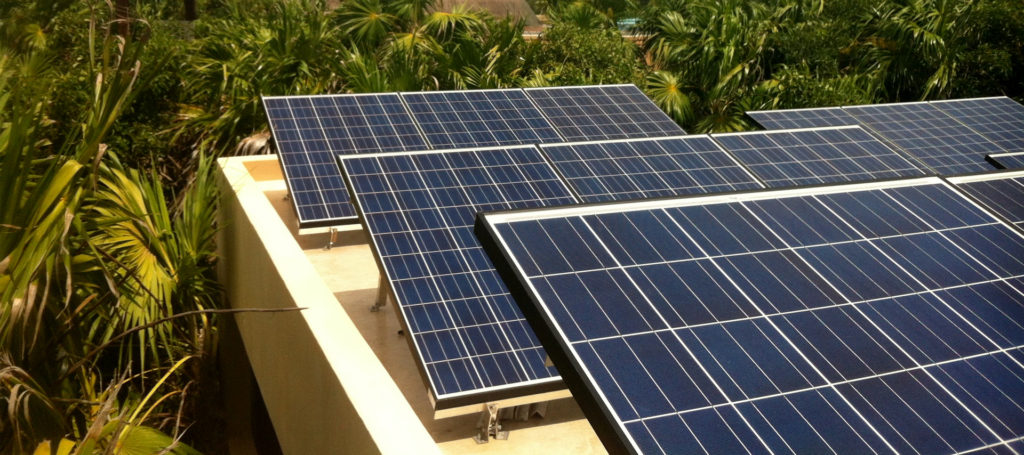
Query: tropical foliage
point(730, 56)
point(583, 47)
point(109, 121)
point(95, 262)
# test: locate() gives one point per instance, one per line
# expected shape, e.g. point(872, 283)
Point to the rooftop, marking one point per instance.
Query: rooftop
point(348, 270)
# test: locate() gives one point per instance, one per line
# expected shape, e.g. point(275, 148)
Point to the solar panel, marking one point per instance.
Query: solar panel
point(1000, 119)
point(1002, 193)
point(645, 168)
point(865, 318)
point(470, 338)
point(802, 118)
point(812, 156)
point(310, 131)
point(599, 112)
point(479, 118)
point(929, 135)
point(1006, 160)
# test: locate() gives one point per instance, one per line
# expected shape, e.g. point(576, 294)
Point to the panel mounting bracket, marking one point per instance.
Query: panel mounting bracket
point(490, 425)
point(382, 295)
point(330, 241)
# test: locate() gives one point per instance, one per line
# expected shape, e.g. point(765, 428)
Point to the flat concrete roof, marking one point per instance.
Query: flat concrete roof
point(350, 272)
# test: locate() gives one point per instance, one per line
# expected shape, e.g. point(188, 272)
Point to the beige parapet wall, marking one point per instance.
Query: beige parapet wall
point(324, 389)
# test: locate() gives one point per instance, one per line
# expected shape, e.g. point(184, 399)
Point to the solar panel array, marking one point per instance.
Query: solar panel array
point(1000, 119)
point(645, 168)
point(812, 156)
point(857, 318)
point(311, 131)
point(803, 321)
point(803, 118)
point(1002, 193)
point(1006, 160)
point(949, 137)
point(602, 112)
point(418, 208)
point(479, 118)
point(926, 133)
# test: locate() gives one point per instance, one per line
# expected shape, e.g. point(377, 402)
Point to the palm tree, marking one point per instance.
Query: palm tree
point(918, 46)
point(62, 275)
point(458, 49)
point(667, 91)
point(715, 53)
point(276, 49)
point(476, 50)
point(366, 22)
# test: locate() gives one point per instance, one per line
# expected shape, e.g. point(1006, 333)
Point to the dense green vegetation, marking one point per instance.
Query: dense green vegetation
point(722, 58)
point(110, 121)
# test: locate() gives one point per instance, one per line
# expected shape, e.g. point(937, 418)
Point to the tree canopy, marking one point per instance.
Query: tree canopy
point(112, 111)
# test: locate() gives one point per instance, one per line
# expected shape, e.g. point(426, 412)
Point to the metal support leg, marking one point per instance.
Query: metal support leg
point(382, 295)
point(490, 426)
point(334, 236)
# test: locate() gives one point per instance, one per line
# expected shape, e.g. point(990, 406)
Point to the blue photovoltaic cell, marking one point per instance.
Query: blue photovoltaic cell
point(1007, 160)
point(479, 118)
point(602, 112)
point(419, 210)
point(1000, 119)
point(620, 170)
point(825, 155)
point(311, 131)
point(1001, 194)
point(928, 134)
point(802, 118)
point(855, 319)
